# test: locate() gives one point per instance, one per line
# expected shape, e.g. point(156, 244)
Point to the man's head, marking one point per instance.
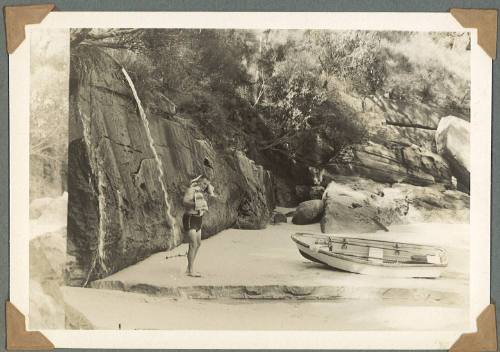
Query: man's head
point(204, 182)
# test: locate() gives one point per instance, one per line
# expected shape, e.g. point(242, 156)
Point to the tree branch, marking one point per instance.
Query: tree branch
point(293, 157)
point(279, 140)
point(413, 125)
point(260, 93)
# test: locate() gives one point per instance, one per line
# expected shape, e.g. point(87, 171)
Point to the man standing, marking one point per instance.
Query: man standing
point(196, 206)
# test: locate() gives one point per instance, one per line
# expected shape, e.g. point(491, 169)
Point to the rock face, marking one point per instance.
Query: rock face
point(118, 211)
point(453, 143)
point(305, 192)
point(413, 165)
point(433, 204)
point(403, 143)
point(391, 120)
point(256, 194)
point(285, 193)
point(308, 212)
point(356, 205)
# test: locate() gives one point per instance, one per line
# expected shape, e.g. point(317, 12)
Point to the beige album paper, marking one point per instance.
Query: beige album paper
point(250, 180)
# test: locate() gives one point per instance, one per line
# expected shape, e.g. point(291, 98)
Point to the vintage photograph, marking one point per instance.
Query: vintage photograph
point(249, 179)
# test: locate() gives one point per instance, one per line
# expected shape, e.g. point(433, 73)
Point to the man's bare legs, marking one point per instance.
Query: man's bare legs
point(194, 238)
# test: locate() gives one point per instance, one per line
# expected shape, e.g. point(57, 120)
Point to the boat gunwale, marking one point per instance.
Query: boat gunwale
point(414, 245)
point(367, 262)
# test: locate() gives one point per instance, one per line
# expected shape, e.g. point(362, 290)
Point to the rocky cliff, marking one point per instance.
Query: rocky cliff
point(407, 142)
point(128, 169)
point(394, 164)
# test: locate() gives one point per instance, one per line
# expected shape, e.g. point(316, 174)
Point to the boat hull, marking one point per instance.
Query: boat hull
point(340, 262)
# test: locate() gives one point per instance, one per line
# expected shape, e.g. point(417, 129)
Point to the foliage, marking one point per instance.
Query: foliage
point(429, 84)
point(292, 94)
point(277, 90)
point(353, 55)
point(431, 69)
point(48, 115)
point(339, 125)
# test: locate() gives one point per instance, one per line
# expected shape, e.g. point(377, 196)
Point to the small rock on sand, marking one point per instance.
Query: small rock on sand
point(308, 212)
point(278, 217)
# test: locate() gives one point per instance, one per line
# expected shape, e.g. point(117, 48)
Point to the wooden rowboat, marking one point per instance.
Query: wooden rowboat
point(372, 257)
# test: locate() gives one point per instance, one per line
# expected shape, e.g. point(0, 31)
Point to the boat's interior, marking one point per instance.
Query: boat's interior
point(375, 251)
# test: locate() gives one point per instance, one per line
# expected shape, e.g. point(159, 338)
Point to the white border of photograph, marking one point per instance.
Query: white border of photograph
point(481, 78)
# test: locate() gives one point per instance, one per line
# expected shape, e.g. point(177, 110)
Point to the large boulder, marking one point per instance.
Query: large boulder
point(453, 143)
point(119, 211)
point(357, 205)
point(349, 210)
point(408, 164)
point(308, 212)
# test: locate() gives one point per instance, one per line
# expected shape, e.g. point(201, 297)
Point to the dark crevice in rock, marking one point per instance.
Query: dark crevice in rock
point(207, 163)
point(379, 155)
point(404, 162)
point(111, 91)
point(135, 173)
point(113, 187)
point(121, 144)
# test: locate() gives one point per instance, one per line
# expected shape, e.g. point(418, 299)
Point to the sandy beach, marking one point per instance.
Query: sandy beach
point(156, 293)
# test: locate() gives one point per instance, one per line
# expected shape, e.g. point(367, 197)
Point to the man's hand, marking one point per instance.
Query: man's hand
point(210, 190)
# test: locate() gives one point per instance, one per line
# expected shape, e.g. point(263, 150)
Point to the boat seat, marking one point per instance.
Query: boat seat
point(376, 254)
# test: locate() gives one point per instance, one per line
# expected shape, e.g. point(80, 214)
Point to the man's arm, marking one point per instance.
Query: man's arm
point(188, 199)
